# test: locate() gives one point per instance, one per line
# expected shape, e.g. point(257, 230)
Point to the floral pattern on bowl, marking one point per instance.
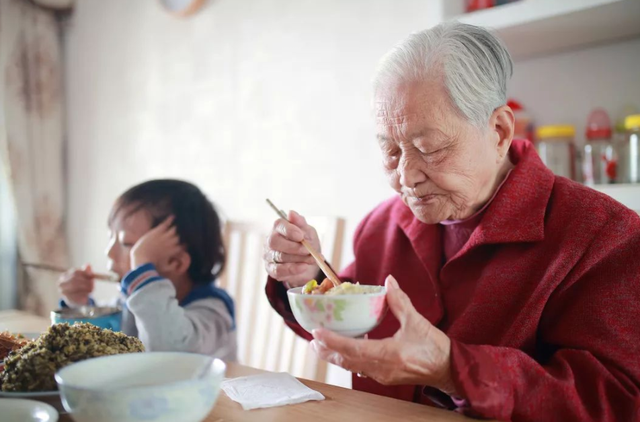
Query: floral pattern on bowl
point(349, 315)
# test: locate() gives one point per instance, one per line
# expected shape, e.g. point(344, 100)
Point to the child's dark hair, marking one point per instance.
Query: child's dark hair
point(195, 219)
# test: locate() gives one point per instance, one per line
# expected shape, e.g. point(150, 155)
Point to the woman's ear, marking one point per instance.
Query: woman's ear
point(502, 125)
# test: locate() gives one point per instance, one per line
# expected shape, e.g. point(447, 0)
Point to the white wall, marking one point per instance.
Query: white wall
point(248, 99)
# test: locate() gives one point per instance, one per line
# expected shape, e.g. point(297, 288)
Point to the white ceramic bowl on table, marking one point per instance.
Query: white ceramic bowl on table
point(350, 315)
point(154, 386)
point(20, 410)
point(51, 398)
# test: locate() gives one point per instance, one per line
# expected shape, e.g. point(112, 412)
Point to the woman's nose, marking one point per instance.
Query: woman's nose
point(410, 173)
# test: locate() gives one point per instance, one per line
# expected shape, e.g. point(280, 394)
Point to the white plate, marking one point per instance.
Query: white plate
point(19, 410)
point(51, 398)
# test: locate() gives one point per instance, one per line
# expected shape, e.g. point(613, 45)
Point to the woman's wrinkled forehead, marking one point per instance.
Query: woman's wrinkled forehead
point(403, 102)
point(405, 110)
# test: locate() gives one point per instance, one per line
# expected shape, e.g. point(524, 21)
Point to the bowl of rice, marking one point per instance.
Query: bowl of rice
point(350, 309)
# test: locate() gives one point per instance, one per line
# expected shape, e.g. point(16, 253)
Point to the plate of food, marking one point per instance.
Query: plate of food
point(29, 370)
point(349, 309)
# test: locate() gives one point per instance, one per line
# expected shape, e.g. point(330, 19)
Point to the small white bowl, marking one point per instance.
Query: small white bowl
point(352, 315)
point(51, 398)
point(154, 386)
point(27, 411)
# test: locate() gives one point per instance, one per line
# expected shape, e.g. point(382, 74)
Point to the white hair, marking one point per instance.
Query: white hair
point(475, 65)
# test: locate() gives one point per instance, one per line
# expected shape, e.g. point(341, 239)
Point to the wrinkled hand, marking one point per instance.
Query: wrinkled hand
point(284, 256)
point(157, 246)
point(418, 354)
point(76, 285)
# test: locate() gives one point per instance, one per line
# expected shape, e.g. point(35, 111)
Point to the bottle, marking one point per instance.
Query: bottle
point(599, 165)
point(629, 151)
point(556, 147)
point(620, 132)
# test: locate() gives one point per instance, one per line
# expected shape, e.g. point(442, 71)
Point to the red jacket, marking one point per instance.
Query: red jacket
point(542, 304)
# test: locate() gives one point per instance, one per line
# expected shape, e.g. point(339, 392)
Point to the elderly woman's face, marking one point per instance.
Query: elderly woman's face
point(442, 166)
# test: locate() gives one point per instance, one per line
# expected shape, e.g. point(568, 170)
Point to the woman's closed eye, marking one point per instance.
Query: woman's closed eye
point(391, 159)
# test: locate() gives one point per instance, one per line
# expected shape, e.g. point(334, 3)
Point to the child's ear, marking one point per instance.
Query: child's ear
point(180, 263)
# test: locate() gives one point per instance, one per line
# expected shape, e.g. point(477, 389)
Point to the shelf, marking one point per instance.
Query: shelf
point(627, 194)
point(541, 27)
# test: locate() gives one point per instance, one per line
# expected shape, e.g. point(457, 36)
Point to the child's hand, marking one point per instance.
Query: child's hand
point(76, 285)
point(157, 246)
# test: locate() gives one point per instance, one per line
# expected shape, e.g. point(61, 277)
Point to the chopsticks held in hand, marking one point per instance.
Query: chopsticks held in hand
point(326, 269)
point(57, 269)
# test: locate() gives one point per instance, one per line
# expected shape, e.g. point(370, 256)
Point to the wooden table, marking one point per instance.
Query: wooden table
point(340, 404)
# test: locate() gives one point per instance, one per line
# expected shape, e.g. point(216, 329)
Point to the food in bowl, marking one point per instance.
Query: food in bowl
point(153, 386)
point(352, 311)
point(32, 367)
point(346, 288)
point(101, 316)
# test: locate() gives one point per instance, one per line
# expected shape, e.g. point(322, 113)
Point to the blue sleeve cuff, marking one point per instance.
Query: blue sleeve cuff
point(63, 304)
point(138, 278)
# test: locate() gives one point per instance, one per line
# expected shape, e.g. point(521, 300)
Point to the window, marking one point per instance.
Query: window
point(8, 245)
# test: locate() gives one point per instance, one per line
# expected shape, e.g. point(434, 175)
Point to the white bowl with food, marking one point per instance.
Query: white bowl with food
point(154, 386)
point(27, 411)
point(351, 310)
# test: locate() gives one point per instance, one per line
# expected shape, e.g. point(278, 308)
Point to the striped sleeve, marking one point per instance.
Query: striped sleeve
point(138, 278)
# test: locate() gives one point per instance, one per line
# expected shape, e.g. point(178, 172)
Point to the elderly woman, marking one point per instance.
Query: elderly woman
point(514, 294)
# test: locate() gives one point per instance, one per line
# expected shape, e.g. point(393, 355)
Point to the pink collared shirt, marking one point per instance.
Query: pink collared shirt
point(456, 233)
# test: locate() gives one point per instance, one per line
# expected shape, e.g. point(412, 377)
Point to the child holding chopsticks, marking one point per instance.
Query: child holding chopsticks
point(166, 245)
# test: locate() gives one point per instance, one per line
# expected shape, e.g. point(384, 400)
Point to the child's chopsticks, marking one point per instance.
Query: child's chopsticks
point(326, 269)
point(57, 269)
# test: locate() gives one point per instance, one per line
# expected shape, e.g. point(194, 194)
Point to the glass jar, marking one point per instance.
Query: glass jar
point(599, 164)
point(628, 150)
point(557, 149)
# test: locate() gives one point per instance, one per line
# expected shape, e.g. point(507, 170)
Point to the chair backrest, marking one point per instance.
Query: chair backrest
point(264, 341)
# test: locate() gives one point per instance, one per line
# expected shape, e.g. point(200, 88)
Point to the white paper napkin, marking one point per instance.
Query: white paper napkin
point(268, 390)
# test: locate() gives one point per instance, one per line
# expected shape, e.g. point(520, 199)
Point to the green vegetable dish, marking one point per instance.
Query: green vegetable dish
point(32, 367)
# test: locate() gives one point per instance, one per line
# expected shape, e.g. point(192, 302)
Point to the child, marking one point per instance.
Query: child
point(166, 246)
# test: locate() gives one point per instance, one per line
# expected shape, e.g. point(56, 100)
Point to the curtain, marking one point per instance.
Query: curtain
point(31, 143)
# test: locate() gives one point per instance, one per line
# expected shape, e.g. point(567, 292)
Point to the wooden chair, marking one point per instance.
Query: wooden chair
point(264, 340)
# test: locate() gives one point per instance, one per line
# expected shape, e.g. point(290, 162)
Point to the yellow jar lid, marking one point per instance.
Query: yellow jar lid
point(556, 131)
point(632, 122)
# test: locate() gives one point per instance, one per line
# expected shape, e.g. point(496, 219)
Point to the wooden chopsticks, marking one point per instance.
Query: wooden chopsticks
point(58, 269)
point(326, 269)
